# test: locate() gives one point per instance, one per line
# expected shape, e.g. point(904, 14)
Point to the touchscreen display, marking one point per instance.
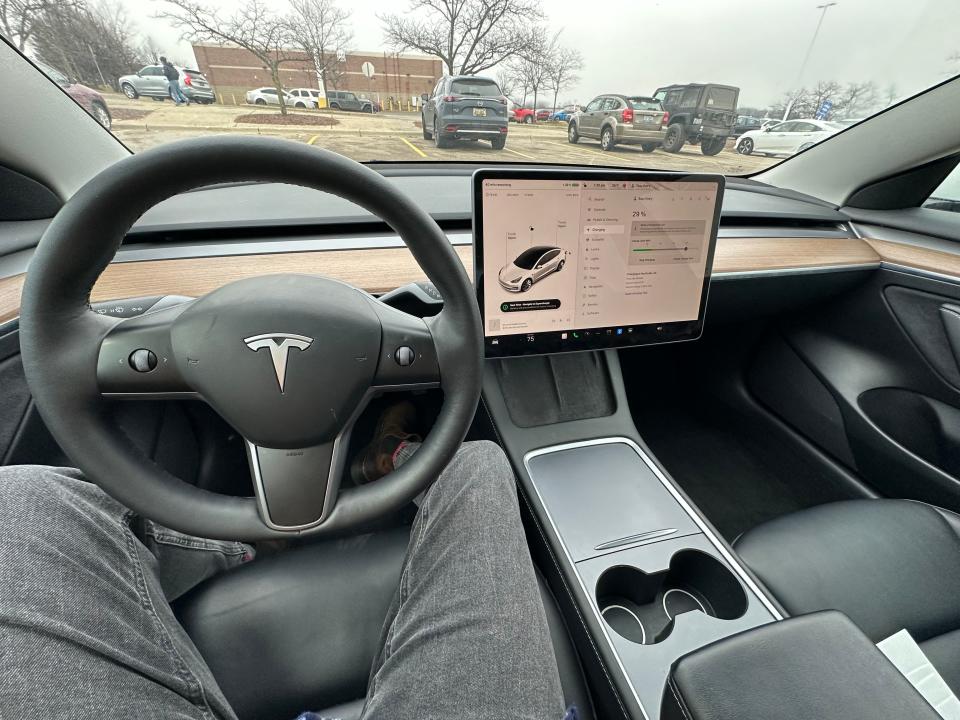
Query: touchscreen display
point(591, 261)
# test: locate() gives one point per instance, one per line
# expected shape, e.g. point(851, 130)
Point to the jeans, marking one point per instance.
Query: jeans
point(176, 93)
point(86, 629)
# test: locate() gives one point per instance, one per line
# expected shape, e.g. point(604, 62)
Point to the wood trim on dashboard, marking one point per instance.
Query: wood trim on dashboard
point(916, 256)
point(382, 269)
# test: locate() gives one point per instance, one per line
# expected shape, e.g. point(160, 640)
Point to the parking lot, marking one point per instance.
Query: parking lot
point(397, 136)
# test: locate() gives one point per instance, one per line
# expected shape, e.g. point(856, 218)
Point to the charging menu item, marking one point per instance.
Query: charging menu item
point(578, 261)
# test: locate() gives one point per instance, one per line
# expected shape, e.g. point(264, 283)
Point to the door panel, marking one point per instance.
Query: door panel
point(883, 384)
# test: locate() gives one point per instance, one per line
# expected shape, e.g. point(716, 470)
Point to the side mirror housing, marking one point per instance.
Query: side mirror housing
point(424, 97)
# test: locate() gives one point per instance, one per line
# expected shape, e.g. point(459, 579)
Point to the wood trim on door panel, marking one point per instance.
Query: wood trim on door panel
point(382, 269)
point(916, 256)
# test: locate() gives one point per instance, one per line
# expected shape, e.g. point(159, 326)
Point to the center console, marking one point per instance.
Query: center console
point(591, 262)
point(646, 575)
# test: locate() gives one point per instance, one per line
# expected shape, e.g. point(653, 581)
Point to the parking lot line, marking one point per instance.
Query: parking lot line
point(575, 148)
point(528, 157)
point(312, 140)
point(413, 147)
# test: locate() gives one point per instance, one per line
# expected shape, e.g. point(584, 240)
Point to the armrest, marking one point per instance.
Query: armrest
point(811, 666)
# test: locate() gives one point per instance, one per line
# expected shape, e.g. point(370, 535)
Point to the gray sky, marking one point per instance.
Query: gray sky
point(634, 46)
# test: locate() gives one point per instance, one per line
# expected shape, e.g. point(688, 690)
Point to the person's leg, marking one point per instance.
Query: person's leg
point(467, 635)
point(175, 92)
point(85, 628)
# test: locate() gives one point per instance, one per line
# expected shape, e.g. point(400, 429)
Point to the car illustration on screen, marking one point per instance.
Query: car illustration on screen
point(530, 266)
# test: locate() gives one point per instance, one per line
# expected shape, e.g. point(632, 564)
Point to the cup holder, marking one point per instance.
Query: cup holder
point(642, 607)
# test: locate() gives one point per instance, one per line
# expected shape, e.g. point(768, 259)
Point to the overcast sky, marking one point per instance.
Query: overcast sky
point(634, 46)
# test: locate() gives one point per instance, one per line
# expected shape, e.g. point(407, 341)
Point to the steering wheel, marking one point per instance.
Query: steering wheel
point(289, 361)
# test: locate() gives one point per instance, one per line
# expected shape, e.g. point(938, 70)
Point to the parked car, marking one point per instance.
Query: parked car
point(745, 123)
point(86, 97)
point(543, 114)
point(620, 119)
point(524, 115)
point(565, 113)
point(268, 96)
point(375, 103)
point(786, 138)
point(341, 100)
point(703, 113)
point(304, 98)
point(465, 106)
point(150, 81)
point(531, 266)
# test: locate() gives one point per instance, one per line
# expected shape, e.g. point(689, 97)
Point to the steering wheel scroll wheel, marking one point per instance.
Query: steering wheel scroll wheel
point(289, 361)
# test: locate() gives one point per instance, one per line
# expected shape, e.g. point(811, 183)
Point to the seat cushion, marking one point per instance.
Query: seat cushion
point(299, 630)
point(886, 564)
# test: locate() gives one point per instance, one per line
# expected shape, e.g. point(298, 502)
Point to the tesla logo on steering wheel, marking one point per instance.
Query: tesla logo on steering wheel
point(279, 345)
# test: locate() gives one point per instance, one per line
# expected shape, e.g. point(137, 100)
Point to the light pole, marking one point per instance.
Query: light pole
point(806, 58)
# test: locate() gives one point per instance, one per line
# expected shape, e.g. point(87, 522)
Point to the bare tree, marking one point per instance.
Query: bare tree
point(507, 81)
point(890, 95)
point(531, 66)
point(19, 18)
point(253, 26)
point(93, 44)
point(469, 36)
point(562, 70)
point(856, 99)
point(320, 28)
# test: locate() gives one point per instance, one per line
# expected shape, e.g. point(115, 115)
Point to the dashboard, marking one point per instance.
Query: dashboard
point(195, 242)
point(567, 261)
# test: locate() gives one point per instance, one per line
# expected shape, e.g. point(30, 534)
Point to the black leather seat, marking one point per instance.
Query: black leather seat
point(299, 631)
point(886, 564)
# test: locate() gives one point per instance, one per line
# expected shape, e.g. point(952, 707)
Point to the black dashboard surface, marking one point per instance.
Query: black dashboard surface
point(442, 190)
point(445, 196)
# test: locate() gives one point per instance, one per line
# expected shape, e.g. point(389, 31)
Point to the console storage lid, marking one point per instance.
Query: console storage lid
point(811, 666)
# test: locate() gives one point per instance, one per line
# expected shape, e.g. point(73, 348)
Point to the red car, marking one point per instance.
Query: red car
point(524, 115)
point(87, 98)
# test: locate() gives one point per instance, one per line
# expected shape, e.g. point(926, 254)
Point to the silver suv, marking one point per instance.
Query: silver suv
point(621, 119)
point(150, 81)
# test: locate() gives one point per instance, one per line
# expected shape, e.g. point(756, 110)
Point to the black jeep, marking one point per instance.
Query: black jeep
point(702, 113)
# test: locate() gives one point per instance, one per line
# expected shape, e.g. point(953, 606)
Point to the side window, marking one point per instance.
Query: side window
point(611, 104)
point(270, 91)
point(783, 127)
point(661, 95)
point(595, 104)
point(673, 97)
point(947, 196)
point(550, 256)
point(691, 96)
point(349, 96)
point(295, 93)
point(805, 127)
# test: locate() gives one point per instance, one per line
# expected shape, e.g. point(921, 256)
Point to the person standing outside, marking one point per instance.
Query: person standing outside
point(173, 79)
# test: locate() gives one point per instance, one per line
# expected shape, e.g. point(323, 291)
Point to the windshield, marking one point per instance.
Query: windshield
point(422, 81)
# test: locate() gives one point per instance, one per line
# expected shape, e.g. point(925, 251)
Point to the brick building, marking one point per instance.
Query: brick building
point(232, 71)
